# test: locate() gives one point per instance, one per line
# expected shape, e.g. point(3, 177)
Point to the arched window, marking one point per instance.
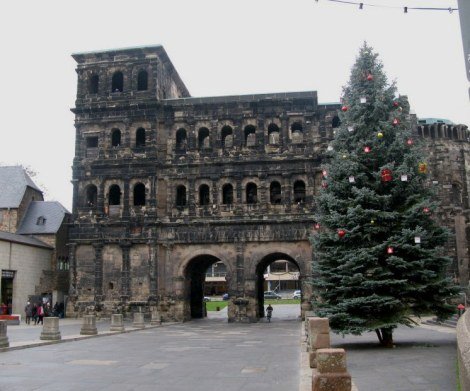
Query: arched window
point(140, 138)
point(273, 134)
point(139, 194)
point(226, 132)
point(227, 194)
point(116, 138)
point(204, 198)
point(335, 122)
point(296, 127)
point(142, 81)
point(93, 84)
point(250, 136)
point(114, 195)
point(299, 191)
point(203, 138)
point(251, 193)
point(91, 196)
point(181, 140)
point(181, 196)
point(297, 133)
point(117, 84)
point(275, 193)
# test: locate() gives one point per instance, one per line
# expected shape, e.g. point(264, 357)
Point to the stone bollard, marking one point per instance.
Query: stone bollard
point(155, 319)
point(138, 320)
point(318, 337)
point(50, 329)
point(116, 323)
point(89, 325)
point(3, 334)
point(331, 373)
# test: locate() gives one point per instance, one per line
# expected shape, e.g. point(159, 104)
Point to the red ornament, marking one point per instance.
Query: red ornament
point(341, 233)
point(344, 108)
point(324, 185)
point(395, 104)
point(460, 307)
point(370, 77)
point(366, 149)
point(386, 175)
point(409, 141)
point(426, 210)
point(317, 226)
point(324, 173)
point(389, 250)
point(395, 122)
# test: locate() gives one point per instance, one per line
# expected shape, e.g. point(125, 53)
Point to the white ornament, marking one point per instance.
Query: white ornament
point(330, 148)
point(351, 128)
point(351, 179)
point(417, 239)
point(363, 99)
point(404, 178)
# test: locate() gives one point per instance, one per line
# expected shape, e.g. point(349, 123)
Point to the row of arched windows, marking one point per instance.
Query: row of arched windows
point(203, 197)
point(443, 131)
point(117, 82)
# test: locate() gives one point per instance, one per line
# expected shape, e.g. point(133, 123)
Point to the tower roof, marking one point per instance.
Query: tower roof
point(13, 183)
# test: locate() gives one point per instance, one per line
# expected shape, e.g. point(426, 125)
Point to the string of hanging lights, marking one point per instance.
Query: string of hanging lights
point(405, 9)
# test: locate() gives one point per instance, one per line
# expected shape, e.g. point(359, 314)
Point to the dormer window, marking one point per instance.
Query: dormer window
point(41, 220)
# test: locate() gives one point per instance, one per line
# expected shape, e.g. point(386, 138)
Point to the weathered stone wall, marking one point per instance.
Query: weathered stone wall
point(9, 220)
point(463, 350)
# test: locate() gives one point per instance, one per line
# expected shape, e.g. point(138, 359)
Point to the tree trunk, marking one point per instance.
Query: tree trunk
point(385, 336)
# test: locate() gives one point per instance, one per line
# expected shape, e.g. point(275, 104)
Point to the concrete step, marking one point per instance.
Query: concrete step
point(451, 322)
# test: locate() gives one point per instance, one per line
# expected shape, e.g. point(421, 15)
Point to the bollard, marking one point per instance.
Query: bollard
point(3, 334)
point(89, 325)
point(318, 337)
point(50, 329)
point(331, 372)
point(155, 319)
point(116, 323)
point(138, 320)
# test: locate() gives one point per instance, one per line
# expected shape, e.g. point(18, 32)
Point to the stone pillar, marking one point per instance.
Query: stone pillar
point(50, 329)
point(318, 331)
point(116, 323)
point(3, 334)
point(138, 320)
point(89, 325)
point(125, 273)
point(98, 247)
point(331, 373)
point(125, 200)
point(156, 319)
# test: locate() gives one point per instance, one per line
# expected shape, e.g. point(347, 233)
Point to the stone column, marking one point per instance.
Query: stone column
point(125, 273)
point(116, 323)
point(318, 337)
point(156, 319)
point(138, 320)
point(89, 325)
point(125, 200)
point(331, 373)
point(98, 247)
point(50, 329)
point(3, 334)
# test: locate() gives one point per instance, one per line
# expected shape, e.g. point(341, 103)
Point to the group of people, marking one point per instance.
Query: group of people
point(36, 312)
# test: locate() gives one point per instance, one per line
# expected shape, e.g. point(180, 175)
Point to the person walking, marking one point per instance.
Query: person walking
point(28, 310)
point(40, 313)
point(269, 312)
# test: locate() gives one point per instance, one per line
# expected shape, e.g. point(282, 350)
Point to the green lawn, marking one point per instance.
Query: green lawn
point(212, 305)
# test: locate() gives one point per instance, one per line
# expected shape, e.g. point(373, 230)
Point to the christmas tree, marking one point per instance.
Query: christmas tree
point(378, 258)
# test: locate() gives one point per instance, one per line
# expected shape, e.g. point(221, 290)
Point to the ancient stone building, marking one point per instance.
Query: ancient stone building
point(166, 185)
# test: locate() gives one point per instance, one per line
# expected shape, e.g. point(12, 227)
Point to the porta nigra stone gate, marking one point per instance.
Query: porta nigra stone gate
point(165, 185)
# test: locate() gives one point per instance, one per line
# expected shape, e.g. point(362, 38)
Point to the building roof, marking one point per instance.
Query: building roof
point(13, 183)
point(27, 240)
point(42, 217)
point(431, 121)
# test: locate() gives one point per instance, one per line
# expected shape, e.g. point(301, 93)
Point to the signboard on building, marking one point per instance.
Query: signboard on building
point(464, 11)
point(8, 273)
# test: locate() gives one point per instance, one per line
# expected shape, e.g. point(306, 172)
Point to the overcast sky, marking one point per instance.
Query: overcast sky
point(219, 48)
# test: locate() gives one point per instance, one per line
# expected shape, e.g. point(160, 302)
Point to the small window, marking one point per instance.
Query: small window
point(92, 142)
point(299, 192)
point(41, 220)
point(142, 81)
point(204, 197)
point(140, 138)
point(181, 196)
point(139, 194)
point(226, 132)
point(203, 138)
point(117, 84)
point(227, 194)
point(116, 138)
point(251, 193)
point(250, 134)
point(296, 127)
point(181, 140)
point(91, 196)
point(114, 195)
point(273, 134)
point(275, 193)
point(93, 84)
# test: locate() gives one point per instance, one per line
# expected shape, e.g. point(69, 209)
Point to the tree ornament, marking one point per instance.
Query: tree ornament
point(370, 77)
point(317, 226)
point(380, 135)
point(409, 141)
point(329, 148)
point(324, 185)
point(389, 250)
point(395, 122)
point(351, 179)
point(341, 233)
point(422, 168)
point(426, 210)
point(344, 156)
point(395, 103)
point(366, 149)
point(350, 128)
point(404, 178)
point(363, 99)
point(324, 173)
point(386, 175)
point(372, 221)
point(417, 239)
point(344, 108)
